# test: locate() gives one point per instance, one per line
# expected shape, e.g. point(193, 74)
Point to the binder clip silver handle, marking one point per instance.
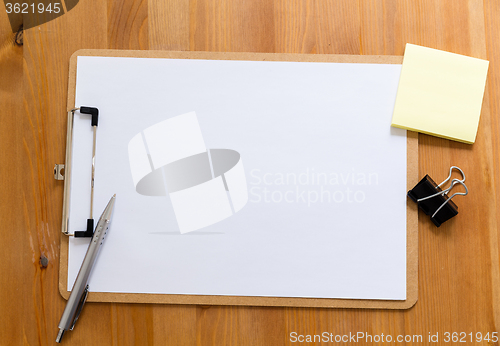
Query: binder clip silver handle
point(434, 201)
point(445, 192)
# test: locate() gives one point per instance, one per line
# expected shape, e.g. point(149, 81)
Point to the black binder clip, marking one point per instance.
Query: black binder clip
point(434, 201)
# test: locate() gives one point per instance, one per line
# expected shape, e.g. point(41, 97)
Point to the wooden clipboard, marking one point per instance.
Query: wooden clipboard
point(412, 211)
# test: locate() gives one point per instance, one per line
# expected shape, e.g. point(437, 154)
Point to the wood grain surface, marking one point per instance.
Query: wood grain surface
point(459, 278)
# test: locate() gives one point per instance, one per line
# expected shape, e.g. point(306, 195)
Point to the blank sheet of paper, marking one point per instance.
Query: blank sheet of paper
point(308, 177)
point(440, 93)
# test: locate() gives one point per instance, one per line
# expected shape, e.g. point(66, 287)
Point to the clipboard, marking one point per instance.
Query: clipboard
point(412, 212)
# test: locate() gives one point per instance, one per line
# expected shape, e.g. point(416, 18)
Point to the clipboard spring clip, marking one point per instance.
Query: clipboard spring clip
point(434, 201)
point(63, 172)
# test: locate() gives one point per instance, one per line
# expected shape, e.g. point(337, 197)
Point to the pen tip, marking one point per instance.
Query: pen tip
point(114, 196)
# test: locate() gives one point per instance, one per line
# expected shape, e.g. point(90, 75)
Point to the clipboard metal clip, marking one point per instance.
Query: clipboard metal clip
point(434, 201)
point(63, 171)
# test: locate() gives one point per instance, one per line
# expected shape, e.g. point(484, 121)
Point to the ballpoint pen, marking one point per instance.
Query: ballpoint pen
point(80, 289)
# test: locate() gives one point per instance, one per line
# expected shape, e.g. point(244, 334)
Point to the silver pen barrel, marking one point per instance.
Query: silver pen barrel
point(79, 288)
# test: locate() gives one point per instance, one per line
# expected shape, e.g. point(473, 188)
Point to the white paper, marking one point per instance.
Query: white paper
point(237, 190)
point(204, 204)
point(326, 179)
point(174, 139)
point(138, 154)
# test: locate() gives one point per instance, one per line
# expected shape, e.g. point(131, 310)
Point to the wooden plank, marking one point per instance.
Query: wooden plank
point(168, 25)
point(47, 49)
point(231, 26)
point(492, 25)
point(454, 278)
point(128, 24)
point(20, 262)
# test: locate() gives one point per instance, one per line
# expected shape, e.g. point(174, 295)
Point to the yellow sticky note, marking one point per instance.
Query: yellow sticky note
point(440, 93)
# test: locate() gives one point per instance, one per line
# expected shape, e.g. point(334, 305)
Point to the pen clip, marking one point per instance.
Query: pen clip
point(80, 306)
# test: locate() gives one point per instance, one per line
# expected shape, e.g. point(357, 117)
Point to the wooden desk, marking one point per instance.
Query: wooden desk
point(459, 280)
